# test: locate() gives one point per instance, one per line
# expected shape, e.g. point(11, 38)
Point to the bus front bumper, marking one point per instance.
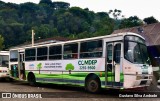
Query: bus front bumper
point(136, 81)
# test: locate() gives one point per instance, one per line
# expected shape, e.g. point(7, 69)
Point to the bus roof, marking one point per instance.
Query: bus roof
point(78, 40)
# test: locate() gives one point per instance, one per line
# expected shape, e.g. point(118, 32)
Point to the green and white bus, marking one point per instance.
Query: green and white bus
point(118, 61)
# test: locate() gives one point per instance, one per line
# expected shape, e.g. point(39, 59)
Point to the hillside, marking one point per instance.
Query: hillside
point(50, 19)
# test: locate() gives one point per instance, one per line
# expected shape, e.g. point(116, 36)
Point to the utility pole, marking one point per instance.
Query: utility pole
point(33, 37)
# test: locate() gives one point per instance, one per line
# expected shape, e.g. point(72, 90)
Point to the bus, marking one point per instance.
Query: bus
point(118, 61)
point(4, 63)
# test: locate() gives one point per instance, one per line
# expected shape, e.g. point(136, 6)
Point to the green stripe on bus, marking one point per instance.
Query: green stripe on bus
point(121, 77)
point(79, 76)
point(71, 75)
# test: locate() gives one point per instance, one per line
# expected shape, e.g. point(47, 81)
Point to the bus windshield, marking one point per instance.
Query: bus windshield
point(135, 50)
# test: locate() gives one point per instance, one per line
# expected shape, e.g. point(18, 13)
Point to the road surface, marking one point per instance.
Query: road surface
point(52, 92)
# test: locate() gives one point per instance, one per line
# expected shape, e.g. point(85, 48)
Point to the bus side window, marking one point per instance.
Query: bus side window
point(30, 54)
point(117, 53)
point(91, 49)
point(42, 53)
point(70, 51)
point(55, 52)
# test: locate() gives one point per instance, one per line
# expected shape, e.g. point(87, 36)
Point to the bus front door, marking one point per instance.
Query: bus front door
point(113, 64)
point(21, 65)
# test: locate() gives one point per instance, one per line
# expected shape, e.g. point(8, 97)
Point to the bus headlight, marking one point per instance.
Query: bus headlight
point(138, 77)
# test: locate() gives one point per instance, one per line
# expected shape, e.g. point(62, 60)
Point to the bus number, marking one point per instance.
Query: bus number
point(83, 68)
point(91, 67)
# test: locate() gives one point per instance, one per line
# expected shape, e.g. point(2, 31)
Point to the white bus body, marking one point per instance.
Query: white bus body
point(117, 61)
point(4, 63)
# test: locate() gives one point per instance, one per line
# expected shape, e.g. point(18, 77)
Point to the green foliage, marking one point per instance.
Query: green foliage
point(150, 20)
point(61, 5)
point(69, 67)
point(115, 13)
point(130, 22)
point(50, 19)
point(48, 2)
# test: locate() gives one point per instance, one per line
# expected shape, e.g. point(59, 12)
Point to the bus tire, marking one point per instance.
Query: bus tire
point(93, 85)
point(31, 79)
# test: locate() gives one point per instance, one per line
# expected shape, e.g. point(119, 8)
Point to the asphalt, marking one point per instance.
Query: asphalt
point(52, 92)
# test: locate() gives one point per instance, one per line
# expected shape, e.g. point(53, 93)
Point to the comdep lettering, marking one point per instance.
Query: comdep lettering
point(87, 62)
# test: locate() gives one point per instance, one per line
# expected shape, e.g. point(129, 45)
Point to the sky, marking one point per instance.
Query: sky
point(140, 8)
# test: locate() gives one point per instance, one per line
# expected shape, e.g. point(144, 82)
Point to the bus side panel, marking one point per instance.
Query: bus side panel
point(66, 71)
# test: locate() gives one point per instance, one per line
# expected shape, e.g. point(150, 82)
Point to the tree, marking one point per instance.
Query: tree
point(50, 19)
point(104, 27)
point(150, 20)
point(61, 5)
point(54, 32)
point(69, 67)
point(130, 22)
point(1, 42)
point(39, 66)
point(115, 13)
point(103, 14)
point(48, 2)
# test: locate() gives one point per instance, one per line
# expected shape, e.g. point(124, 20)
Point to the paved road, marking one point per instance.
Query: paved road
point(64, 93)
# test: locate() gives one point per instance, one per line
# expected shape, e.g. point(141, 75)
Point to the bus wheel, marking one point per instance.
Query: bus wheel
point(31, 79)
point(93, 85)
